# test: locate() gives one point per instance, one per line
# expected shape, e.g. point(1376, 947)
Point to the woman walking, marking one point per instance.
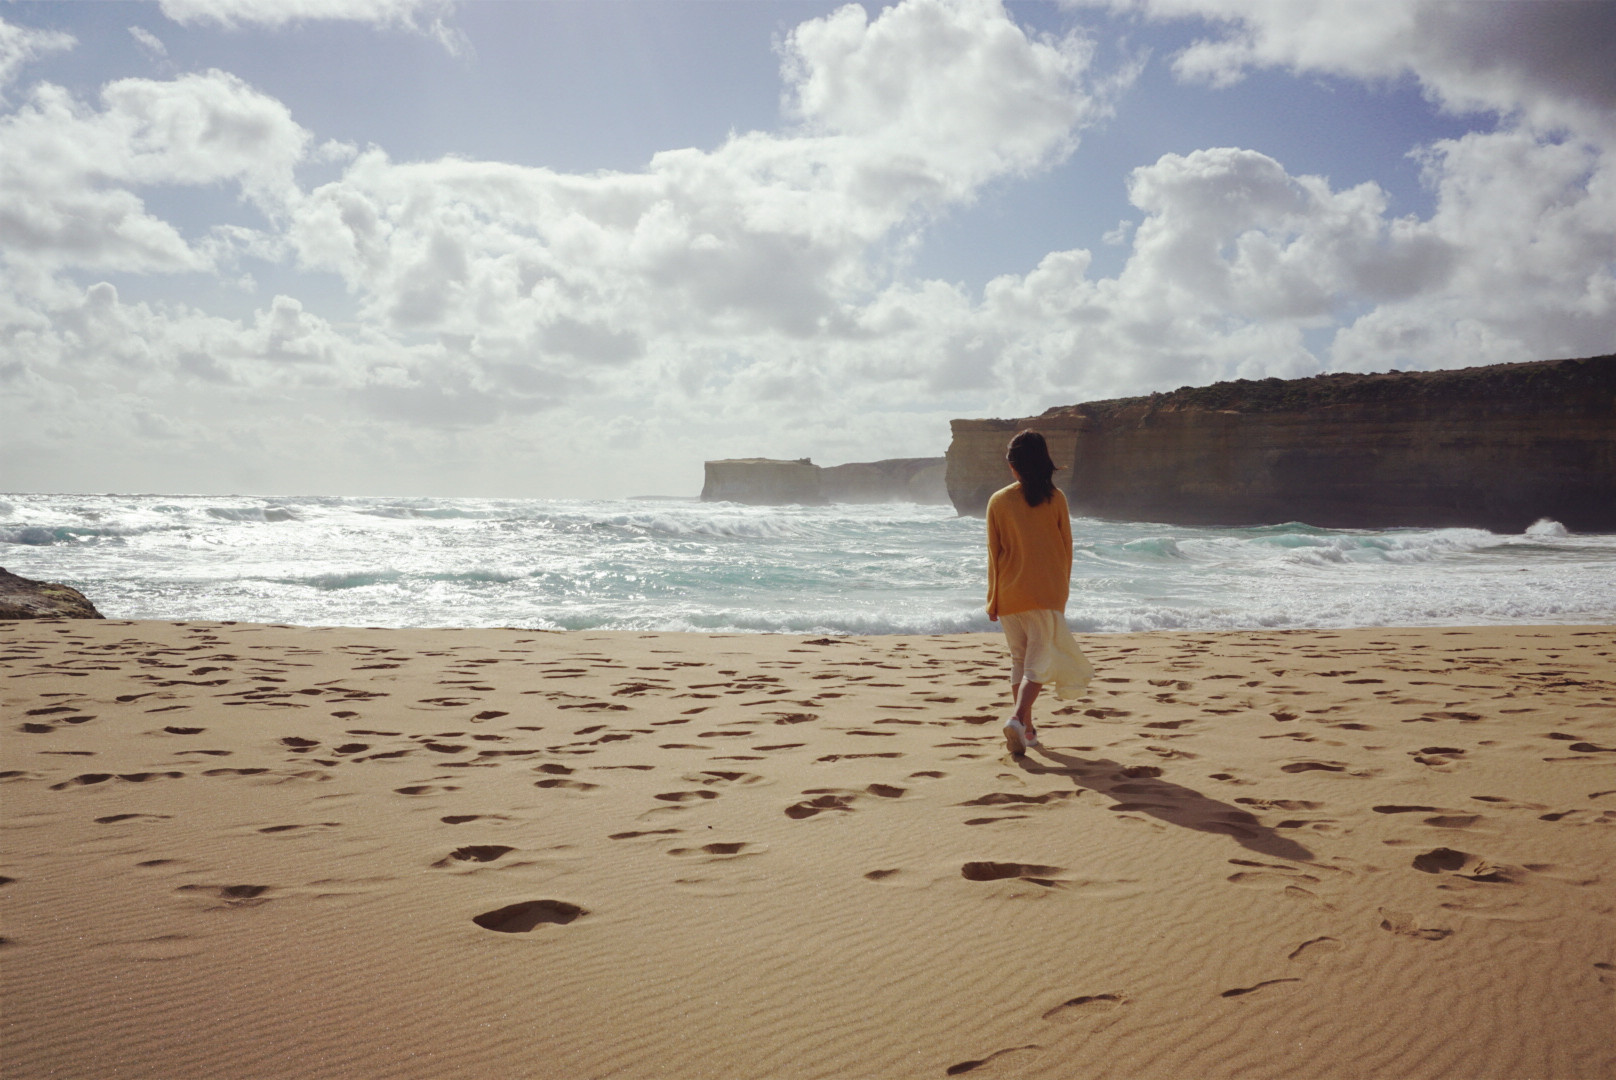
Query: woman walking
point(1029, 578)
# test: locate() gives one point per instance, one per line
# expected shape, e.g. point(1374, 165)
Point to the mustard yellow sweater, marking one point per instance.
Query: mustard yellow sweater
point(1029, 553)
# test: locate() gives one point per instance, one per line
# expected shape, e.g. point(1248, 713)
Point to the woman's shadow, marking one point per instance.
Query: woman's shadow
point(1138, 790)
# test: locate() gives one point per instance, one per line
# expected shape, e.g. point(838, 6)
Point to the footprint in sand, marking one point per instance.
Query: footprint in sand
point(1462, 717)
point(573, 785)
point(1313, 766)
point(1000, 871)
point(1279, 804)
point(1453, 821)
point(685, 796)
point(722, 850)
point(480, 853)
point(1009, 798)
point(461, 819)
point(1087, 1007)
point(1437, 756)
point(529, 914)
point(1315, 948)
point(425, 789)
point(82, 780)
point(1404, 925)
point(1268, 875)
point(131, 778)
point(715, 776)
point(1241, 991)
point(819, 805)
point(233, 896)
point(1448, 861)
point(1004, 1058)
point(1265, 878)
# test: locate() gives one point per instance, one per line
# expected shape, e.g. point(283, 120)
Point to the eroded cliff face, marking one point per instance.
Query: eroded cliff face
point(917, 480)
point(1493, 447)
point(762, 481)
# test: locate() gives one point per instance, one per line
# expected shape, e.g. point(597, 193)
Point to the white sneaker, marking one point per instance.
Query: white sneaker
point(1030, 741)
point(1015, 736)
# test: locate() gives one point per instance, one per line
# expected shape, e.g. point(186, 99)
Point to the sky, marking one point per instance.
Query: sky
point(572, 249)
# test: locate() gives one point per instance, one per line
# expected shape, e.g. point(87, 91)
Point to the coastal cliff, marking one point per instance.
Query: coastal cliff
point(1493, 447)
point(766, 481)
point(917, 480)
point(770, 481)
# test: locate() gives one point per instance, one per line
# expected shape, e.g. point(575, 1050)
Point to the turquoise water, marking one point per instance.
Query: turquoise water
point(687, 565)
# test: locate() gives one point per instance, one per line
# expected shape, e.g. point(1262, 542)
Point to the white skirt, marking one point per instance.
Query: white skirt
point(1042, 650)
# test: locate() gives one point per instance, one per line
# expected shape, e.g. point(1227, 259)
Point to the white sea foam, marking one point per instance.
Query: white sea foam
point(1546, 529)
point(719, 567)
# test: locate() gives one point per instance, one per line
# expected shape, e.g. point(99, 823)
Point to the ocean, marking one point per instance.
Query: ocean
point(674, 564)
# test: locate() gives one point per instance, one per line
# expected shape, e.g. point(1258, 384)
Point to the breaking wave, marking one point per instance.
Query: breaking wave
point(660, 565)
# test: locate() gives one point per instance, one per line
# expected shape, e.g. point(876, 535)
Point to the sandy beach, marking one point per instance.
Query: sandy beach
point(264, 851)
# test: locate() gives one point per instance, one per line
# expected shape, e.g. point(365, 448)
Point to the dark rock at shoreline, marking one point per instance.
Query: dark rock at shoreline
point(1493, 447)
point(21, 598)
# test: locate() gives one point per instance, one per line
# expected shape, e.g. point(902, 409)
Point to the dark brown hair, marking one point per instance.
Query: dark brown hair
point(1029, 456)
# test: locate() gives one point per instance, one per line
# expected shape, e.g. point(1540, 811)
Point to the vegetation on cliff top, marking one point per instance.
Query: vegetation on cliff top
point(1593, 380)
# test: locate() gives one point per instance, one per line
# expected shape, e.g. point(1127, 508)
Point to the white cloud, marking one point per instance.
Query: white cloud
point(150, 42)
point(1119, 235)
point(1531, 225)
point(936, 98)
point(1547, 61)
point(20, 45)
point(421, 16)
point(68, 173)
point(766, 233)
point(276, 13)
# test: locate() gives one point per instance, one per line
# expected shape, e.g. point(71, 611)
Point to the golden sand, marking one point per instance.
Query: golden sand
point(254, 851)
